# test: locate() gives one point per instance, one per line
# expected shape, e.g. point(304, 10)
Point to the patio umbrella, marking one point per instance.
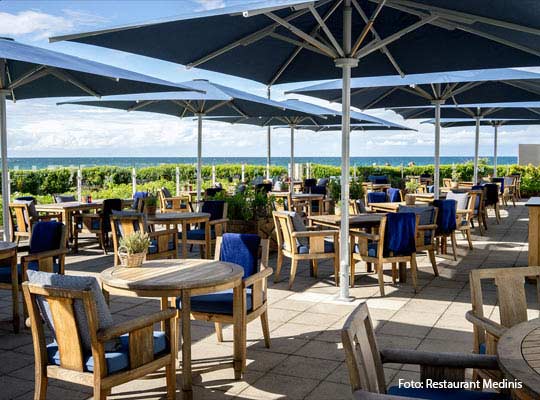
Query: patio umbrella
point(28, 72)
point(316, 117)
point(496, 123)
point(296, 40)
point(215, 101)
point(476, 112)
point(432, 90)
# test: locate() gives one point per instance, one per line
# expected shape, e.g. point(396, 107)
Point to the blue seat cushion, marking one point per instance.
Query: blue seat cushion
point(197, 234)
point(5, 271)
point(216, 303)
point(116, 360)
point(328, 248)
point(444, 394)
point(482, 348)
point(153, 249)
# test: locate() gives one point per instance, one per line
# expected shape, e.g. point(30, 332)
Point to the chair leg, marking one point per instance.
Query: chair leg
point(100, 394)
point(379, 268)
point(279, 264)
point(40, 387)
point(414, 271)
point(219, 331)
point(454, 245)
point(315, 264)
point(353, 271)
point(468, 232)
point(498, 213)
point(170, 372)
point(433, 262)
point(294, 265)
point(265, 329)
point(394, 273)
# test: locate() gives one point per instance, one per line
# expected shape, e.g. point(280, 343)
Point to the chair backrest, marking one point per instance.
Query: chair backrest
point(509, 181)
point(511, 295)
point(138, 201)
point(427, 216)
point(462, 199)
point(284, 229)
point(216, 208)
point(378, 179)
point(323, 182)
point(241, 249)
point(21, 215)
point(109, 205)
point(376, 197)
point(394, 195)
point(211, 192)
point(125, 223)
point(318, 189)
point(491, 194)
point(447, 182)
point(500, 182)
point(362, 353)
point(400, 233)
point(309, 183)
point(446, 218)
point(46, 236)
point(63, 198)
point(264, 187)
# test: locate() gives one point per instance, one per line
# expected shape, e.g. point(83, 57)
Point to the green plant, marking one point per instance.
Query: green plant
point(356, 191)
point(412, 186)
point(137, 242)
point(456, 176)
point(334, 190)
point(151, 200)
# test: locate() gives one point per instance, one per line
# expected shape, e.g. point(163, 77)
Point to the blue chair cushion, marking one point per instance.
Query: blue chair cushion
point(95, 224)
point(443, 394)
point(376, 197)
point(197, 234)
point(136, 197)
point(214, 208)
point(216, 303)
point(394, 195)
point(5, 271)
point(427, 217)
point(116, 360)
point(400, 232)
point(446, 219)
point(241, 249)
point(482, 348)
point(153, 249)
point(328, 248)
point(46, 236)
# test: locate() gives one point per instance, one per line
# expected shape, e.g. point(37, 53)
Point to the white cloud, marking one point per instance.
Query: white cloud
point(210, 4)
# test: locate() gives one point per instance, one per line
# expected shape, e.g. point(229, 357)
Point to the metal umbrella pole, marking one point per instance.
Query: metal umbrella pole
point(476, 148)
point(268, 142)
point(437, 152)
point(199, 157)
point(291, 177)
point(5, 170)
point(495, 144)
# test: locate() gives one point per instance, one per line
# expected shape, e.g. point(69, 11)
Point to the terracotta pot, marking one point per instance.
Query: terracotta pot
point(151, 210)
point(410, 199)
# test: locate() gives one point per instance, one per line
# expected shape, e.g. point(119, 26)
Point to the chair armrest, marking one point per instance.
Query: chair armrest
point(365, 235)
point(463, 211)
point(427, 227)
point(219, 221)
point(175, 198)
point(117, 330)
point(308, 234)
point(43, 254)
point(163, 232)
point(488, 325)
point(90, 215)
point(250, 280)
point(435, 359)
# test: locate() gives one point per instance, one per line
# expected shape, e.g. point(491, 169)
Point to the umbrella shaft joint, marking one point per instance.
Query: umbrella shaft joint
point(346, 62)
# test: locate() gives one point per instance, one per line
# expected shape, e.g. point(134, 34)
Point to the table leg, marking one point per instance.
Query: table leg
point(15, 293)
point(186, 345)
point(208, 240)
point(184, 239)
point(164, 305)
point(239, 331)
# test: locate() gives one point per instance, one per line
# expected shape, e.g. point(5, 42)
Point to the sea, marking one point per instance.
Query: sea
point(138, 162)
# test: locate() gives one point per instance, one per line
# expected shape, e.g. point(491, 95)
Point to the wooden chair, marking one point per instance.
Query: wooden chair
point(139, 351)
point(164, 243)
point(517, 181)
point(365, 365)
point(47, 252)
point(99, 223)
point(446, 225)
point(491, 199)
point(479, 213)
point(23, 217)
point(243, 250)
point(512, 302)
point(299, 242)
point(381, 248)
point(510, 191)
point(169, 203)
point(217, 226)
point(425, 231)
point(464, 217)
point(282, 202)
point(447, 182)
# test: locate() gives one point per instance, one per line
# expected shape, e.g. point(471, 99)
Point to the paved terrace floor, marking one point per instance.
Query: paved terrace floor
point(306, 360)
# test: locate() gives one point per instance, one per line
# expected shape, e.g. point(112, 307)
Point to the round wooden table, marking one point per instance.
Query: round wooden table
point(519, 357)
point(8, 258)
point(183, 219)
point(169, 279)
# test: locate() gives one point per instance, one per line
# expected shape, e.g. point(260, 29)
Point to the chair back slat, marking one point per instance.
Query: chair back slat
point(22, 217)
point(284, 229)
point(512, 299)
point(66, 333)
point(362, 353)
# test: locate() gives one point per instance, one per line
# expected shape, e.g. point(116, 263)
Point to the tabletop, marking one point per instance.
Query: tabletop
point(355, 221)
point(172, 275)
point(176, 216)
point(6, 247)
point(519, 355)
point(76, 204)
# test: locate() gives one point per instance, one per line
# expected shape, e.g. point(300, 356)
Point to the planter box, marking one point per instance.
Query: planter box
point(264, 227)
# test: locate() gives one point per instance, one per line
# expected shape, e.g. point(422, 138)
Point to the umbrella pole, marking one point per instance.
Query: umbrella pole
point(495, 143)
point(437, 166)
point(199, 158)
point(291, 178)
point(268, 142)
point(476, 146)
point(5, 170)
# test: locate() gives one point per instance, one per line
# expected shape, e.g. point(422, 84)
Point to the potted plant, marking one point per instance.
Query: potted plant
point(456, 176)
point(411, 186)
point(133, 248)
point(150, 204)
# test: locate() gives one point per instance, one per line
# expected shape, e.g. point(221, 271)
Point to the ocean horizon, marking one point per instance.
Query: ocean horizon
point(28, 163)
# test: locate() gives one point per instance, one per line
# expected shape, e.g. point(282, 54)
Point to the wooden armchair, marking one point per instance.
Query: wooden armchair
point(99, 223)
point(81, 352)
point(491, 199)
point(47, 252)
point(164, 243)
point(23, 217)
point(512, 301)
point(365, 365)
point(395, 243)
point(510, 191)
point(299, 242)
point(241, 249)
point(446, 225)
point(464, 216)
point(169, 203)
point(479, 213)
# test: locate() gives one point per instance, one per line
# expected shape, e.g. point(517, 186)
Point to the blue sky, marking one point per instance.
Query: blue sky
point(40, 128)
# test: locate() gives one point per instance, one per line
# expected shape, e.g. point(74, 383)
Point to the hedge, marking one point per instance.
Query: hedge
point(109, 179)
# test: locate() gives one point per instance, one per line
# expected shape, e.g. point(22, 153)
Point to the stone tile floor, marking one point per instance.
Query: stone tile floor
point(305, 360)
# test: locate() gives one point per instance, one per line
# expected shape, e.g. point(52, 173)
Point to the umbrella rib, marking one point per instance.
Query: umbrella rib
point(32, 75)
point(417, 91)
point(62, 75)
point(238, 110)
point(491, 111)
point(353, 92)
point(300, 33)
point(448, 90)
point(467, 111)
point(326, 30)
point(140, 104)
point(378, 37)
point(517, 85)
point(381, 97)
point(302, 45)
point(451, 14)
point(368, 27)
point(464, 88)
point(218, 105)
point(185, 105)
point(296, 43)
point(376, 44)
point(246, 40)
point(533, 110)
point(8, 79)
